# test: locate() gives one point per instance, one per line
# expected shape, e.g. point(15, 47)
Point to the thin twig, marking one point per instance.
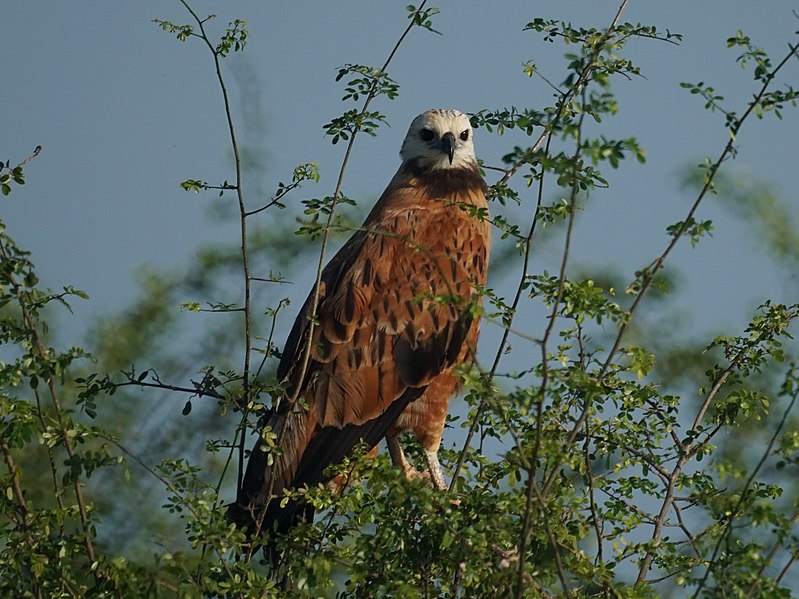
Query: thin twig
point(36, 151)
point(245, 258)
point(688, 534)
point(784, 571)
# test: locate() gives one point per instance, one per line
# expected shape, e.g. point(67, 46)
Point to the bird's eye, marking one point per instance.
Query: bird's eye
point(464, 135)
point(426, 135)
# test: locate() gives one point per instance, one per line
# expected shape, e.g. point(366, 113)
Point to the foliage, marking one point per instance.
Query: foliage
point(616, 475)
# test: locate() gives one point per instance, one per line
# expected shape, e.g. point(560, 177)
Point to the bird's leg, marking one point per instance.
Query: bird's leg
point(398, 457)
point(434, 473)
point(434, 467)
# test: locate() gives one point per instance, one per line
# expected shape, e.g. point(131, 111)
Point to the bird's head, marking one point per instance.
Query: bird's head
point(439, 138)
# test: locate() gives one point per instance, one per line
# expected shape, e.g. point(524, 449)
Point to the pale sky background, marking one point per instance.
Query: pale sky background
point(125, 112)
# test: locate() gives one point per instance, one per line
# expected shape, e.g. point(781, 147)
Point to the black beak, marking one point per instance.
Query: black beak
point(448, 145)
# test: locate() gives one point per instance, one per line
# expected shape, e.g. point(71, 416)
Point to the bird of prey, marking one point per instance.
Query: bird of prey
point(397, 310)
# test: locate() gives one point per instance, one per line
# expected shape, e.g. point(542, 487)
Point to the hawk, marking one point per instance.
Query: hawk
point(397, 310)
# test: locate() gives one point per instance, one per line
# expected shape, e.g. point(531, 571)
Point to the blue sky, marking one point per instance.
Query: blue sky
point(124, 112)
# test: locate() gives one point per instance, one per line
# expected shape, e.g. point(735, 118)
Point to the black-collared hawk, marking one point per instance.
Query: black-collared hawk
point(397, 310)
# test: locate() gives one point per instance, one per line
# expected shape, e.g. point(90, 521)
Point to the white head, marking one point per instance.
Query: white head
point(440, 138)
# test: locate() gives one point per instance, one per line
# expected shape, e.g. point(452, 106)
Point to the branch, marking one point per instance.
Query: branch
point(195, 392)
point(36, 151)
point(655, 267)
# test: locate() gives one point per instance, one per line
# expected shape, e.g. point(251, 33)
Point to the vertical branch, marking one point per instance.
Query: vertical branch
point(532, 485)
point(243, 214)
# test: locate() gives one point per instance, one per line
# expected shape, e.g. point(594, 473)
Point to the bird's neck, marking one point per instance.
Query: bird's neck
point(446, 182)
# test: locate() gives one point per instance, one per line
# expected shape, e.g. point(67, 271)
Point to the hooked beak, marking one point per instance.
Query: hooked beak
point(448, 145)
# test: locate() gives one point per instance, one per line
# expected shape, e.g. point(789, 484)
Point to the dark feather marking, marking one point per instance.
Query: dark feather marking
point(366, 277)
point(412, 367)
point(339, 329)
point(410, 333)
point(380, 385)
point(381, 346)
point(354, 358)
point(323, 349)
point(349, 305)
point(416, 362)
